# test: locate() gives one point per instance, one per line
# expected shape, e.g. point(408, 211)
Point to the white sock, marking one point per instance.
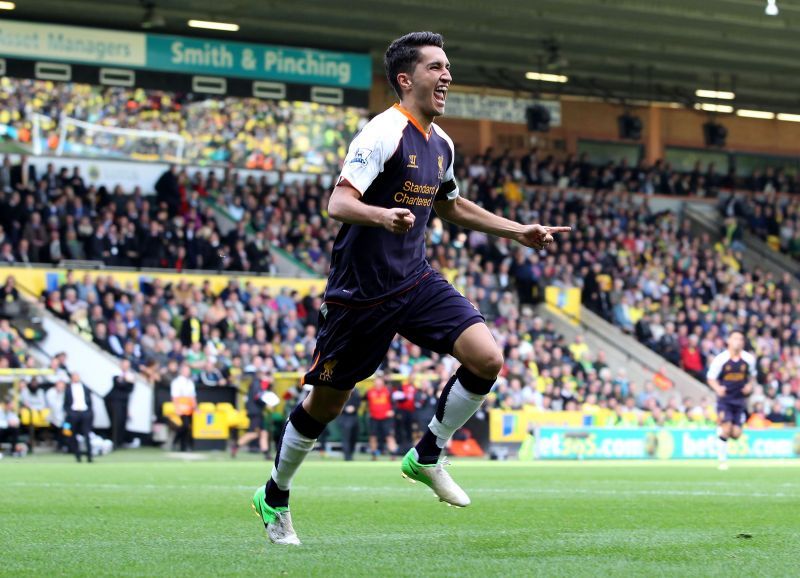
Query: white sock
point(722, 449)
point(294, 449)
point(460, 405)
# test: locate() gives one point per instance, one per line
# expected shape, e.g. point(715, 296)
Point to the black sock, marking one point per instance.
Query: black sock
point(427, 450)
point(275, 497)
point(305, 424)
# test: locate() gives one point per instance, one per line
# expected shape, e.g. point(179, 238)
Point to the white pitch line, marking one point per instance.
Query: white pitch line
point(370, 489)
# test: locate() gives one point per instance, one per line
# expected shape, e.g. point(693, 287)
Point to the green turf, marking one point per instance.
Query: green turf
point(142, 514)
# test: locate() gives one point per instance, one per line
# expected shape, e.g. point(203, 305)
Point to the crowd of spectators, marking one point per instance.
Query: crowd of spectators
point(55, 216)
point(226, 337)
point(773, 217)
point(511, 174)
point(677, 293)
point(243, 132)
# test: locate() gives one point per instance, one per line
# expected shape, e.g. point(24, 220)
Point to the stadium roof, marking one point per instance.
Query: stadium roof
point(637, 49)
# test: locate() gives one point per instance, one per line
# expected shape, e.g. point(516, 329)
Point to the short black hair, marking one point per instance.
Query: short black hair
point(403, 54)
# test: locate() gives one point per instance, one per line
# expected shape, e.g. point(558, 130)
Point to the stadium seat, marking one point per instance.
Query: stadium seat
point(37, 418)
point(226, 407)
point(168, 411)
point(774, 242)
point(232, 416)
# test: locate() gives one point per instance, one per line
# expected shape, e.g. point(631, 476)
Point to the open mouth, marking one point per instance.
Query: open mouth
point(440, 95)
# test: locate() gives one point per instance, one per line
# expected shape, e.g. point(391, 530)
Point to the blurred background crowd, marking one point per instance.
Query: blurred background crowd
point(647, 272)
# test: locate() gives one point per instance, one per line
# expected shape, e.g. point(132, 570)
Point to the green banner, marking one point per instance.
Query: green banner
point(660, 443)
point(258, 61)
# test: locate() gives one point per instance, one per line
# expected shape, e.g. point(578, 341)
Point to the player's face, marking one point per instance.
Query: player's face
point(736, 343)
point(430, 81)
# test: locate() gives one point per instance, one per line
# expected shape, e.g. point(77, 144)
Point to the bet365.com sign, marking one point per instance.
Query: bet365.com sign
point(659, 443)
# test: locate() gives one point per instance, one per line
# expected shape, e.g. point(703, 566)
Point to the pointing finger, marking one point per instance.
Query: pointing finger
point(558, 229)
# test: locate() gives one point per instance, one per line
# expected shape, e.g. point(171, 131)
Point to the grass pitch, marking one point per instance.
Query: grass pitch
point(139, 513)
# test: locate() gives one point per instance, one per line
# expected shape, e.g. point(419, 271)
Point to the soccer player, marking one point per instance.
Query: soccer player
point(397, 169)
point(732, 376)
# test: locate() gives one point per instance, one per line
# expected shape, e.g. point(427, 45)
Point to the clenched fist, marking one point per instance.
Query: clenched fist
point(398, 221)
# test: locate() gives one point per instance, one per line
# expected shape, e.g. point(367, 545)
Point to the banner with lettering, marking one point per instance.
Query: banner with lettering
point(258, 61)
point(187, 55)
point(660, 443)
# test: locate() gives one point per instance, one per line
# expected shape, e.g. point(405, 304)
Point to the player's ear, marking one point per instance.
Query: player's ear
point(404, 80)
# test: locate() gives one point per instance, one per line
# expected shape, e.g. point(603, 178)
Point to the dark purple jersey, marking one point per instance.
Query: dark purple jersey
point(393, 163)
point(733, 375)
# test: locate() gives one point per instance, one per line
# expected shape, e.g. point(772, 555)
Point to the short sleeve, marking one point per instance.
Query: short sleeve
point(448, 190)
point(365, 159)
point(751, 364)
point(716, 366)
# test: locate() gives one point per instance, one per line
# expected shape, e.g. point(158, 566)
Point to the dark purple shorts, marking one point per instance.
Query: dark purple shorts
point(352, 340)
point(731, 412)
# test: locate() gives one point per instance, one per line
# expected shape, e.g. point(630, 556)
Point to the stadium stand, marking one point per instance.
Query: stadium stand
point(248, 133)
point(244, 332)
point(677, 293)
point(771, 216)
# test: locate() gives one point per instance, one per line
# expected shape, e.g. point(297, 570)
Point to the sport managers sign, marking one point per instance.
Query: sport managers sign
point(186, 55)
point(72, 44)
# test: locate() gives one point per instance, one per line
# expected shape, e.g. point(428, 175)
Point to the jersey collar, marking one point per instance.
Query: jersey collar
point(414, 121)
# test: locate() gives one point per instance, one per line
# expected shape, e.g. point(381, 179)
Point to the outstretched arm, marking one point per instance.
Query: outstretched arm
point(465, 213)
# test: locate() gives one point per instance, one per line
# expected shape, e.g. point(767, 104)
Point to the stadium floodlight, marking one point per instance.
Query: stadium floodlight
point(788, 117)
point(765, 114)
point(709, 107)
point(772, 8)
point(546, 77)
point(208, 25)
point(718, 94)
point(7, 5)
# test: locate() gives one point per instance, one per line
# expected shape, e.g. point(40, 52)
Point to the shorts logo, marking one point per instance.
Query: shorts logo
point(440, 160)
point(327, 370)
point(412, 162)
point(360, 156)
